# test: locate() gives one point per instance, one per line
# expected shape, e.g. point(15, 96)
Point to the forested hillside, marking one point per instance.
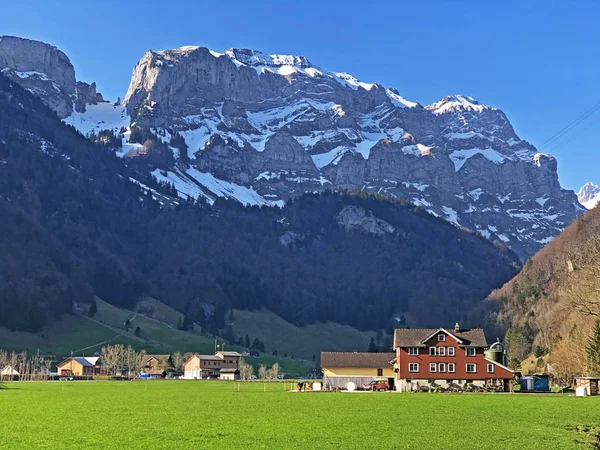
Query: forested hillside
point(73, 226)
point(550, 308)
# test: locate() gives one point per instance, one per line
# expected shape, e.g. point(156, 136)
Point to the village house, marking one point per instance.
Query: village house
point(81, 366)
point(157, 365)
point(446, 358)
point(222, 364)
point(340, 368)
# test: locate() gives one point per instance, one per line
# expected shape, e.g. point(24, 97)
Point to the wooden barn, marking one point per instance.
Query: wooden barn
point(360, 368)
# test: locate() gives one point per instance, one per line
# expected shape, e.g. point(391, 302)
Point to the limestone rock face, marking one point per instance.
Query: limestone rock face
point(356, 218)
point(282, 126)
point(47, 72)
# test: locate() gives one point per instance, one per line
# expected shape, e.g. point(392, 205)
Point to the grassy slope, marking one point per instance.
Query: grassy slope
point(69, 334)
point(82, 335)
point(161, 414)
point(302, 342)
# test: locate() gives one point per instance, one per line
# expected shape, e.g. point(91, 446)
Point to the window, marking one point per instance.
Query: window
point(431, 351)
point(451, 368)
point(490, 368)
point(432, 367)
point(471, 368)
point(470, 351)
point(441, 338)
point(379, 372)
point(413, 367)
point(450, 351)
point(442, 367)
point(442, 351)
point(413, 351)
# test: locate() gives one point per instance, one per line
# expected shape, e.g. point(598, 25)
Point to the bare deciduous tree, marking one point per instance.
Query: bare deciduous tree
point(273, 372)
point(262, 372)
point(246, 370)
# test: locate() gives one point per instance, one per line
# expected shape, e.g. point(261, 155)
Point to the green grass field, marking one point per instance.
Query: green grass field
point(197, 414)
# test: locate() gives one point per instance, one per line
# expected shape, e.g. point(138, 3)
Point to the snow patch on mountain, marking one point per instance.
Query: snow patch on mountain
point(459, 157)
point(456, 102)
point(103, 116)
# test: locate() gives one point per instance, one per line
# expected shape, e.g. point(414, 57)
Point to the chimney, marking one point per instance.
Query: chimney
point(456, 328)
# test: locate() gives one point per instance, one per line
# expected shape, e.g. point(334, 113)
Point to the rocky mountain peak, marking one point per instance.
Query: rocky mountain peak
point(287, 127)
point(255, 58)
point(589, 195)
point(47, 72)
point(456, 102)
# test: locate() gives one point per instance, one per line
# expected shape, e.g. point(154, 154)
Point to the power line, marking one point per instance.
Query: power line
point(572, 125)
point(570, 139)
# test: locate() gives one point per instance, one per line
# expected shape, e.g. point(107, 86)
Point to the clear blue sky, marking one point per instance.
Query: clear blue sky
point(539, 61)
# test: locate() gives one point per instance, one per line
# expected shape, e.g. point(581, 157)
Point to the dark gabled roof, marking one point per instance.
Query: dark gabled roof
point(209, 357)
point(357, 360)
point(161, 358)
point(413, 337)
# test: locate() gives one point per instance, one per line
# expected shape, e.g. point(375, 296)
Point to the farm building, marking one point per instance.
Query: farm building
point(8, 372)
point(229, 358)
point(589, 383)
point(223, 365)
point(81, 366)
point(446, 358)
point(360, 368)
point(228, 374)
point(158, 363)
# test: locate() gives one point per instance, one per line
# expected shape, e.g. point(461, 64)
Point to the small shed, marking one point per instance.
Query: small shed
point(228, 374)
point(535, 383)
point(9, 371)
point(590, 383)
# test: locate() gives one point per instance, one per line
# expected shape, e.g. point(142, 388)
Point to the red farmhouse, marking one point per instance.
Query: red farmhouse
point(445, 357)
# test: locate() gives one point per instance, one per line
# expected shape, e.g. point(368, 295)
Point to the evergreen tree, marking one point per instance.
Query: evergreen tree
point(93, 308)
point(372, 346)
point(127, 324)
point(188, 323)
point(593, 351)
point(255, 344)
point(138, 331)
point(247, 341)
point(229, 336)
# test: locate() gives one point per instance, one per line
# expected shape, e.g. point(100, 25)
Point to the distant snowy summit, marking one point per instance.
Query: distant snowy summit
point(589, 195)
point(263, 128)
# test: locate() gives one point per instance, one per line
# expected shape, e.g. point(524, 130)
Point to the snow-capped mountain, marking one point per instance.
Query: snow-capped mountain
point(589, 195)
point(265, 128)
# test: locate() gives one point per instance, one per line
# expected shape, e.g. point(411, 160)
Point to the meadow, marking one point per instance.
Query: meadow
point(201, 414)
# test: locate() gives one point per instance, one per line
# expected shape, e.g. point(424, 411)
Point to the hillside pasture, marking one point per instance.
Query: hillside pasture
point(201, 414)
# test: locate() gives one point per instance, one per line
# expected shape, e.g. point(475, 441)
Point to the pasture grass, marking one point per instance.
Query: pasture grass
point(302, 342)
point(202, 414)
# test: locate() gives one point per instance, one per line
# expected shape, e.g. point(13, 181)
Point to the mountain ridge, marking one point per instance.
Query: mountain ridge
point(264, 129)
